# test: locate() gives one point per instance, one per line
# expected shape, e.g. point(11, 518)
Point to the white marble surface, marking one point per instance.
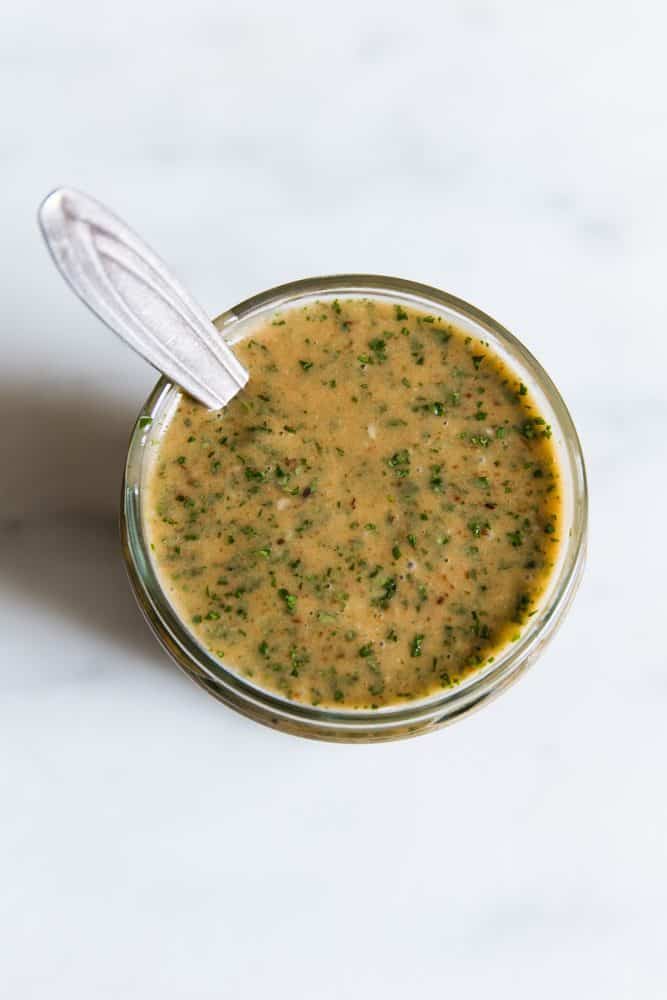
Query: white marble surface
point(152, 843)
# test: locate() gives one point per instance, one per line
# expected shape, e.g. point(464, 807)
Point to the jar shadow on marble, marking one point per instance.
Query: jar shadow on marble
point(62, 452)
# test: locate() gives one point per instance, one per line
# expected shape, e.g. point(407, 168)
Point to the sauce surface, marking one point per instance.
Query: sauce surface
point(372, 518)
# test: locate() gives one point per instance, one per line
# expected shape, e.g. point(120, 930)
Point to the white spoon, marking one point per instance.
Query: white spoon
point(124, 283)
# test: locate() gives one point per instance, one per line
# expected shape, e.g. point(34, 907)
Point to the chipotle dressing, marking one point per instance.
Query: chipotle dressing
point(373, 517)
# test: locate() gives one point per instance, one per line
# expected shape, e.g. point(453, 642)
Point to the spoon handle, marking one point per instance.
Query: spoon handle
point(117, 276)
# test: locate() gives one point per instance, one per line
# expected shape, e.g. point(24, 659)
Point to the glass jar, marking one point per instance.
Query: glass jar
point(392, 722)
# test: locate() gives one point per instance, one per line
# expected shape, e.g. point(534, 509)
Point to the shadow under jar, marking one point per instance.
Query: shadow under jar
point(410, 717)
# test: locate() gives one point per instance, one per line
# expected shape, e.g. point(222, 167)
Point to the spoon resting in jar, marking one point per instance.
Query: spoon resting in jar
point(129, 288)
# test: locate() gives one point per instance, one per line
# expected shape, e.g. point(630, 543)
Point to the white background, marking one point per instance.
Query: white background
point(154, 844)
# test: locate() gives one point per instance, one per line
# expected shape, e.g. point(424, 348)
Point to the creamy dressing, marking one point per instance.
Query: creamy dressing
point(372, 518)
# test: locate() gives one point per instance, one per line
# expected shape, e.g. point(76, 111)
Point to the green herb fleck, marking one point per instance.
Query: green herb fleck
point(379, 348)
point(436, 481)
point(289, 599)
point(416, 646)
point(388, 591)
point(254, 474)
point(399, 462)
